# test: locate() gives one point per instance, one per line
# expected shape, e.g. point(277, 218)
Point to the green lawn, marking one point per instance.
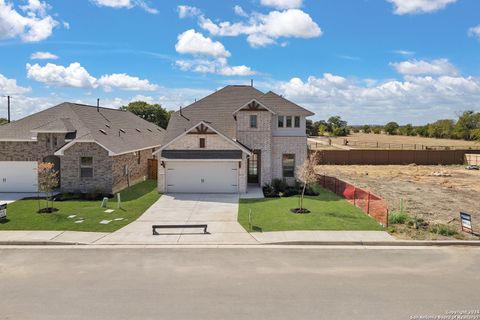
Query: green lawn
point(328, 212)
point(22, 214)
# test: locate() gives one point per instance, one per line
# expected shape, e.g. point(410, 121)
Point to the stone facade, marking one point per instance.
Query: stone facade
point(70, 169)
point(137, 169)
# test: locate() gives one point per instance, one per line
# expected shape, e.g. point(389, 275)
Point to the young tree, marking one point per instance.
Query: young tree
point(151, 112)
point(307, 176)
point(47, 181)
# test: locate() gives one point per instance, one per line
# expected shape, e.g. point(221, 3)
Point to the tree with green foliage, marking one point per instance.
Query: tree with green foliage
point(321, 130)
point(467, 123)
point(151, 112)
point(377, 130)
point(406, 130)
point(3, 121)
point(337, 127)
point(441, 129)
point(391, 128)
point(366, 129)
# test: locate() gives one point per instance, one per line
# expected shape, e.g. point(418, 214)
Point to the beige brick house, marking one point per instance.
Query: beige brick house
point(94, 149)
point(231, 138)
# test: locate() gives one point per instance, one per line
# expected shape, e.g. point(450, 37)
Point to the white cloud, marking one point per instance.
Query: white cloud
point(125, 82)
point(78, 77)
point(218, 66)
point(41, 55)
point(404, 52)
point(416, 99)
point(34, 26)
point(265, 29)
point(192, 42)
point(474, 31)
point(127, 4)
point(72, 76)
point(239, 11)
point(10, 86)
point(282, 4)
point(402, 7)
point(421, 67)
point(188, 11)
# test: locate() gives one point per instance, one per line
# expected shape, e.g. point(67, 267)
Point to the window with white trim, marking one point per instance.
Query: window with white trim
point(288, 165)
point(289, 122)
point(281, 121)
point(296, 122)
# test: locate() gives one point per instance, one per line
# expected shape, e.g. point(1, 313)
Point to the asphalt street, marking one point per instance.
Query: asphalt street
point(238, 283)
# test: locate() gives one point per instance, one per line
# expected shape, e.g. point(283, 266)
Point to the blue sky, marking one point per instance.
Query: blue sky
point(370, 61)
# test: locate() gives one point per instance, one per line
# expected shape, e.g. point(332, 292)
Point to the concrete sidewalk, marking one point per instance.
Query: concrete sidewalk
point(321, 236)
point(50, 237)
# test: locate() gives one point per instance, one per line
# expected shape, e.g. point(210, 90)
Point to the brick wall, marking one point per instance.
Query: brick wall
point(31, 150)
point(70, 169)
point(191, 142)
point(281, 145)
point(259, 138)
point(137, 172)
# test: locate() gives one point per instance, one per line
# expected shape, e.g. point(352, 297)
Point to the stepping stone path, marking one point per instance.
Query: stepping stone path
point(72, 216)
point(79, 221)
point(105, 221)
point(109, 210)
point(118, 219)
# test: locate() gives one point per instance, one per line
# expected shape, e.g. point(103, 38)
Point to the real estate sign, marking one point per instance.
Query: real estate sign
point(3, 211)
point(466, 222)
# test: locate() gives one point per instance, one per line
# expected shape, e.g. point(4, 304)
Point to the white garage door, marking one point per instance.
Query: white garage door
point(202, 177)
point(18, 176)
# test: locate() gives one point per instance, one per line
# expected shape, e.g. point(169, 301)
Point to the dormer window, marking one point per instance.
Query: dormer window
point(296, 123)
point(202, 143)
point(289, 121)
point(281, 121)
point(253, 121)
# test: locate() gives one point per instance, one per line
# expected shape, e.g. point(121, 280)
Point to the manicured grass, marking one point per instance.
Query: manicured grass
point(22, 214)
point(328, 212)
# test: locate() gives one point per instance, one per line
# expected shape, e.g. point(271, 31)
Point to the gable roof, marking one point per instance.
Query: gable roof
point(218, 109)
point(233, 142)
point(86, 121)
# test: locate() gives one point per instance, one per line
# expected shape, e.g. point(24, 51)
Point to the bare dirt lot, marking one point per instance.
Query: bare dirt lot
point(370, 140)
point(434, 193)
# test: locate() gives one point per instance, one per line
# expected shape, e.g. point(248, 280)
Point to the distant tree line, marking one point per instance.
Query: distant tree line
point(466, 127)
point(334, 127)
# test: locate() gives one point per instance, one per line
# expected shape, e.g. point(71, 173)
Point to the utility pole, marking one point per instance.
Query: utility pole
point(8, 104)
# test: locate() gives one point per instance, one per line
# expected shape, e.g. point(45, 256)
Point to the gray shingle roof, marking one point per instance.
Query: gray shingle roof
point(88, 122)
point(217, 110)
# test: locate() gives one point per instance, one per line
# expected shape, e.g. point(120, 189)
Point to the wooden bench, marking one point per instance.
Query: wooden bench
point(178, 226)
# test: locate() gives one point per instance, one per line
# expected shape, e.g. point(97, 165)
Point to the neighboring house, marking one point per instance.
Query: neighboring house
point(235, 136)
point(94, 149)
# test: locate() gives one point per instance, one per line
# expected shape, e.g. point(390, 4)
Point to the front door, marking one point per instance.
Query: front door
point(254, 167)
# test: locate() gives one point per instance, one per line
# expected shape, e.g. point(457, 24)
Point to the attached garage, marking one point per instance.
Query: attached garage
point(18, 176)
point(202, 176)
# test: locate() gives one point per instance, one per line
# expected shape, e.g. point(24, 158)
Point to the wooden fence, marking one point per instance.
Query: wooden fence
point(473, 159)
point(391, 157)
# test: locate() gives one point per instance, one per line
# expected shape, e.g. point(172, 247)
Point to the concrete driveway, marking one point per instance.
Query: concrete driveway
point(219, 211)
point(14, 196)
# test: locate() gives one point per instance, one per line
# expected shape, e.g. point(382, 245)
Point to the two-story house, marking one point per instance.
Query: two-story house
point(234, 137)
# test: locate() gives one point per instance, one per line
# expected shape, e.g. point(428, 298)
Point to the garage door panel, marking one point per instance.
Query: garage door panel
point(202, 177)
point(18, 176)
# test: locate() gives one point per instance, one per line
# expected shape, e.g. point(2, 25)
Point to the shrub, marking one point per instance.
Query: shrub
point(269, 191)
point(397, 218)
point(279, 185)
point(443, 230)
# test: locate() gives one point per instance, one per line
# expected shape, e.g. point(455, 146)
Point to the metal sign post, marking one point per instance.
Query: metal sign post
point(466, 220)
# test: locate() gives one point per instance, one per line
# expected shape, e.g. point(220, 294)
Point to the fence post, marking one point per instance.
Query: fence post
point(368, 202)
point(354, 198)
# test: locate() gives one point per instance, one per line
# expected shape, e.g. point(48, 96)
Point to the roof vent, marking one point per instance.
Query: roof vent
point(107, 125)
point(159, 129)
point(138, 130)
point(103, 131)
point(122, 131)
point(149, 129)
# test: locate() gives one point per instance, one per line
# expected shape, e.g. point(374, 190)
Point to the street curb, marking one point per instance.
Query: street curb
point(38, 243)
point(398, 243)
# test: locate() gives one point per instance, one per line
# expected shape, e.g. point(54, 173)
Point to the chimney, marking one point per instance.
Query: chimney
point(98, 105)
point(8, 104)
point(251, 82)
point(181, 111)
